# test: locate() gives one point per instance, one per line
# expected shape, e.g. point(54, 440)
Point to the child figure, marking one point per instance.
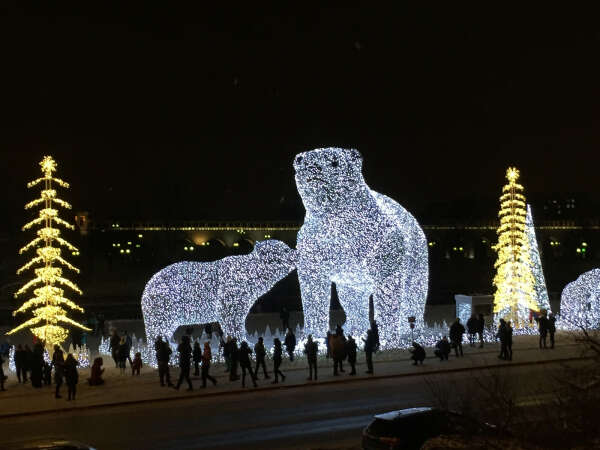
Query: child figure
point(136, 364)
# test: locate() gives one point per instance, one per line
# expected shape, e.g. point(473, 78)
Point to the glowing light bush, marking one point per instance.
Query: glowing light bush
point(222, 291)
point(364, 242)
point(580, 301)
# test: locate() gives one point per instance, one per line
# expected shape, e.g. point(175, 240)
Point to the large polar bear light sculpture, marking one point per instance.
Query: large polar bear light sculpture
point(580, 301)
point(221, 291)
point(364, 242)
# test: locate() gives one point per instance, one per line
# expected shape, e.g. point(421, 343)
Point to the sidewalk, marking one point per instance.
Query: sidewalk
point(22, 399)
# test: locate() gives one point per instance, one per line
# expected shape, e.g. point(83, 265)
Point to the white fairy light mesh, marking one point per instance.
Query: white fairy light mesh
point(222, 291)
point(364, 242)
point(580, 301)
point(541, 292)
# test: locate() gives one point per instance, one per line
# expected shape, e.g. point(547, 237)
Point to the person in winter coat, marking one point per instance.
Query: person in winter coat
point(163, 356)
point(375, 329)
point(137, 364)
point(480, 328)
point(19, 359)
point(442, 349)
point(542, 328)
point(501, 334)
point(185, 353)
point(456, 336)
point(418, 354)
point(551, 328)
point(71, 376)
point(129, 344)
point(58, 362)
point(290, 343)
point(206, 359)
point(37, 365)
point(370, 346)
point(310, 350)
point(509, 334)
point(235, 360)
point(246, 364)
point(338, 350)
point(95, 378)
point(260, 353)
point(115, 341)
point(197, 358)
point(351, 353)
point(277, 352)
point(472, 327)
point(122, 355)
point(328, 344)
point(46, 374)
point(227, 354)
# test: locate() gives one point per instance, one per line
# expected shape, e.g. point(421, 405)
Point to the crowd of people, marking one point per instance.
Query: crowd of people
point(31, 367)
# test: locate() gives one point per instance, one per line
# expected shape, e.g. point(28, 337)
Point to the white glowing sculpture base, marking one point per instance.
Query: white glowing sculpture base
point(222, 291)
point(580, 302)
point(364, 242)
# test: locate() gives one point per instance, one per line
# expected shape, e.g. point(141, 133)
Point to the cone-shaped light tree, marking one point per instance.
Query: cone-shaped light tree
point(48, 304)
point(541, 292)
point(515, 293)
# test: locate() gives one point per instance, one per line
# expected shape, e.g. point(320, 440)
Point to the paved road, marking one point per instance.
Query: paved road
point(304, 417)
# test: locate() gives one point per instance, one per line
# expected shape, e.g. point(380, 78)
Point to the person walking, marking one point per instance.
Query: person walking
point(58, 362)
point(163, 356)
point(235, 358)
point(277, 354)
point(19, 360)
point(472, 328)
point(197, 358)
point(501, 334)
point(480, 328)
point(418, 354)
point(509, 335)
point(552, 329)
point(369, 349)
point(71, 376)
point(442, 349)
point(185, 353)
point(338, 350)
point(351, 348)
point(122, 354)
point(260, 353)
point(137, 364)
point(456, 336)
point(290, 343)
point(115, 341)
point(246, 364)
point(206, 359)
point(542, 328)
point(310, 350)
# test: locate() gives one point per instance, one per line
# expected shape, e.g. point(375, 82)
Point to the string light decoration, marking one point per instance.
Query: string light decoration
point(541, 292)
point(364, 242)
point(580, 302)
point(48, 302)
point(514, 281)
point(221, 291)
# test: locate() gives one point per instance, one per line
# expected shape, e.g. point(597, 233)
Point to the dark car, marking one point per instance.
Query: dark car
point(410, 428)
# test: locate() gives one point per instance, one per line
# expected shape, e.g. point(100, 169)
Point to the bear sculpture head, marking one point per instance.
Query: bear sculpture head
point(326, 177)
point(275, 255)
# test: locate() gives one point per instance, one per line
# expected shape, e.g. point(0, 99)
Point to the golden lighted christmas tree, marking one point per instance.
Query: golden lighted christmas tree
point(514, 280)
point(48, 302)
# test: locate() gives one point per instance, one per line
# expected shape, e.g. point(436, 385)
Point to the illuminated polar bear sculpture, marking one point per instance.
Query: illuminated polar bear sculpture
point(221, 291)
point(364, 242)
point(580, 301)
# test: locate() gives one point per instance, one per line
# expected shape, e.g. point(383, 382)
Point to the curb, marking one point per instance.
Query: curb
point(199, 395)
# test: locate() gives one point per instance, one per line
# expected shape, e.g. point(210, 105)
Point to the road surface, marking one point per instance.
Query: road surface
point(316, 416)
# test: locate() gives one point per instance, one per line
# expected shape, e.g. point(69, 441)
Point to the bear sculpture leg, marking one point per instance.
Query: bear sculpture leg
point(355, 302)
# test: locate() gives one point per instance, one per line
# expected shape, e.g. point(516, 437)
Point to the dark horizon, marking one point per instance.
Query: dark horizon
point(193, 113)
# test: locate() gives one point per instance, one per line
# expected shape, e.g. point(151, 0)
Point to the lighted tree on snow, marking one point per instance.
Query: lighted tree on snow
point(541, 292)
point(515, 294)
point(48, 303)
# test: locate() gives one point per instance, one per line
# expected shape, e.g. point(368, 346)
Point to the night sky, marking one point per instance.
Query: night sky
point(180, 113)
